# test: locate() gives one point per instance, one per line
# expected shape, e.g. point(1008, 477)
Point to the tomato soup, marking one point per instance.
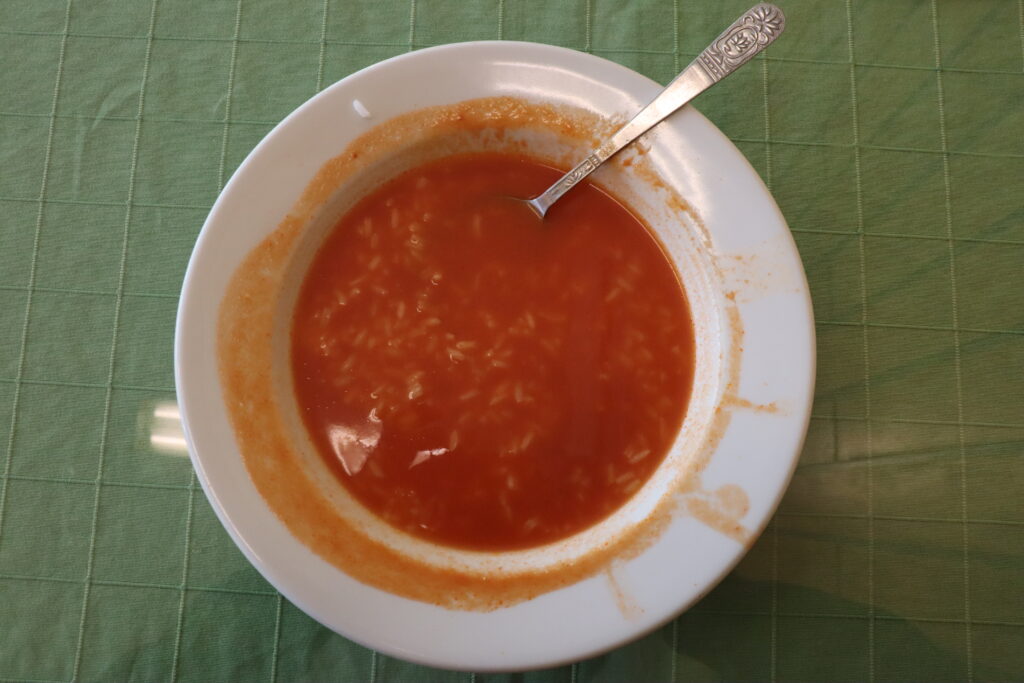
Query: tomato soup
point(480, 378)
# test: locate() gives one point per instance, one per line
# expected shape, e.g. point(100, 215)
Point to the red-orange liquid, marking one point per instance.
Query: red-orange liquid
point(482, 379)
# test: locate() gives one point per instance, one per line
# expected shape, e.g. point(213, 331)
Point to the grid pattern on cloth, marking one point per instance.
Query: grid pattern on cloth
point(892, 136)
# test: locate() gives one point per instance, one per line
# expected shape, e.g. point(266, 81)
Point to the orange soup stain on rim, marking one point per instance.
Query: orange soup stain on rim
point(247, 353)
point(483, 379)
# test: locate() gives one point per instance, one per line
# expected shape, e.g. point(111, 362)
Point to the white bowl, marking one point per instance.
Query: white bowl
point(754, 379)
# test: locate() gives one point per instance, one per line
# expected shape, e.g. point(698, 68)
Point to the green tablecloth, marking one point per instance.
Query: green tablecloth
point(892, 135)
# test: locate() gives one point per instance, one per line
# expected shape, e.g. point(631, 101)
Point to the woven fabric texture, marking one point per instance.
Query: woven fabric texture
point(892, 136)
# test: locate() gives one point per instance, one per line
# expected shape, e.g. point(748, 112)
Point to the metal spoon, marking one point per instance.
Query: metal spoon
point(754, 31)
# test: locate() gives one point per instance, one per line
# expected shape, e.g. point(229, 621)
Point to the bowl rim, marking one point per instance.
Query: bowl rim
point(187, 340)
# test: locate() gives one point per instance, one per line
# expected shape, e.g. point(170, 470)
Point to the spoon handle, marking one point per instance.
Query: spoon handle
point(754, 31)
